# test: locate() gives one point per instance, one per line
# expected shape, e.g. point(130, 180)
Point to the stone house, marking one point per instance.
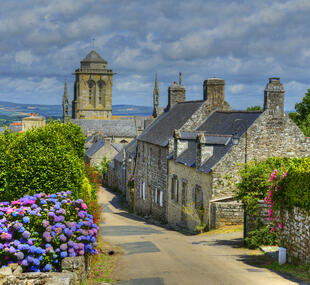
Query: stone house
point(206, 159)
point(121, 167)
point(155, 145)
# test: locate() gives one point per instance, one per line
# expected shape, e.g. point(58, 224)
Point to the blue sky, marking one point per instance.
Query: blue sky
point(244, 42)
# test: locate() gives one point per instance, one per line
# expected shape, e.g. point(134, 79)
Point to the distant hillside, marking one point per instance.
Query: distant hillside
point(10, 112)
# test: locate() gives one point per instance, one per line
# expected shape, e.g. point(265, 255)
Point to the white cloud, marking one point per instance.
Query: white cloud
point(24, 57)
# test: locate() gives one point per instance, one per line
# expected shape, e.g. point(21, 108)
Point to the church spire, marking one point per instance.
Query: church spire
point(156, 98)
point(65, 104)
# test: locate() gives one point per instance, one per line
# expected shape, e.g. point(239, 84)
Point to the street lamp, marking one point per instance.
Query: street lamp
point(237, 124)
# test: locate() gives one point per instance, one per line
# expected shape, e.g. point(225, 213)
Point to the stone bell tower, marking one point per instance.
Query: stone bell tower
point(93, 89)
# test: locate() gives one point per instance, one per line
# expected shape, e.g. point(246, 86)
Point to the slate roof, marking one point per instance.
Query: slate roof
point(94, 148)
point(109, 128)
point(221, 122)
point(93, 57)
point(119, 157)
point(131, 148)
point(162, 128)
point(118, 146)
point(218, 128)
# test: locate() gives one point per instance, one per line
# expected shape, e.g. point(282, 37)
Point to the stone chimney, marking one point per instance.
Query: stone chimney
point(179, 145)
point(176, 94)
point(203, 151)
point(274, 98)
point(214, 91)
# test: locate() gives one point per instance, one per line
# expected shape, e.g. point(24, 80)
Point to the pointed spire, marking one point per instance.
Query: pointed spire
point(66, 90)
point(156, 81)
point(65, 104)
point(155, 98)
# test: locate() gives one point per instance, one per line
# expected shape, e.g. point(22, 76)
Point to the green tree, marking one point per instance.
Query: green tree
point(44, 160)
point(302, 115)
point(254, 108)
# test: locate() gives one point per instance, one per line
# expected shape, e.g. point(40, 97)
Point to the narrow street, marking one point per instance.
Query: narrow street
point(154, 255)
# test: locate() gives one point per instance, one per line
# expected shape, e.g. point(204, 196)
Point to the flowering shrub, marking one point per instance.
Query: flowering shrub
point(39, 231)
point(131, 181)
point(275, 178)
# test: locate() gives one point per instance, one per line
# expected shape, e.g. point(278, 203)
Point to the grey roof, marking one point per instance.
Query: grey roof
point(221, 122)
point(88, 139)
point(109, 128)
point(93, 57)
point(94, 148)
point(162, 128)
point(131, 148)
point(119, 157)
point(218, 128)
point(118, 146)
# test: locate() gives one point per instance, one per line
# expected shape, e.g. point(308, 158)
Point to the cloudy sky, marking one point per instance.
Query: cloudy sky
point(244, 42)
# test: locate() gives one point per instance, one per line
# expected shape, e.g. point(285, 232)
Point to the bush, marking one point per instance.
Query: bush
point(254, 182)
point(39, 231)
point(294, 189)
point(44, 160)
point(261, 236)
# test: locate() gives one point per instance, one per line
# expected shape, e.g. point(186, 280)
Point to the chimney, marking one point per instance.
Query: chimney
point(36, 114)
point(179, 145)
point(176, 94)
point(274, 98)
point(214, 91)
point(31, 114)
point(203, 151)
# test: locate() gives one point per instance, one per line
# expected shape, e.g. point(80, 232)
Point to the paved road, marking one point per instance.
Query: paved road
point(157, 256)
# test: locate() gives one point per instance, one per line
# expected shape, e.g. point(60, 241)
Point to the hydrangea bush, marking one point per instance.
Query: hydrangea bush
point(38, 231)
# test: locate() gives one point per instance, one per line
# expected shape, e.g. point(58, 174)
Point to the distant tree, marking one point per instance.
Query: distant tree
point(254, 108)
point(302, 115)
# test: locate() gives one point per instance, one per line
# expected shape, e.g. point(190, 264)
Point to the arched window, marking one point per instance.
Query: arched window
point(123, 141)
point(101, 87)
point(91, 91)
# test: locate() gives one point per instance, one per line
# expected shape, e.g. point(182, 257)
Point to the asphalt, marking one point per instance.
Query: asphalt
point(154, 255)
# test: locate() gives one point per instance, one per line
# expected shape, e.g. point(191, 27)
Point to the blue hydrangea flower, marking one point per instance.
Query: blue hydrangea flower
point(26, 220)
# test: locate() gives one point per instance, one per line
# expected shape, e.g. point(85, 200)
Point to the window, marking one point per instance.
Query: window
point(101, 86)
point(156, 196)
point(174, 188)
point(143, 191)
point(91, 90)
point(141, 188)
point(161, 196)
point(198, 197)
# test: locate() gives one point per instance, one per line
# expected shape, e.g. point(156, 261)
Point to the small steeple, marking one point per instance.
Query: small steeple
point(65, 104)
point(156, 98)
point(180, 78)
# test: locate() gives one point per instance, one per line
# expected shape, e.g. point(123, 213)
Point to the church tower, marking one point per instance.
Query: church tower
point(156, 99)
point(65, 105)
point(93, 89)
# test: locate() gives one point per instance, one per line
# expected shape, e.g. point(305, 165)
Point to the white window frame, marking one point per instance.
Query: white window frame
point(155, 196)
point(143, 191)
point(161, 196)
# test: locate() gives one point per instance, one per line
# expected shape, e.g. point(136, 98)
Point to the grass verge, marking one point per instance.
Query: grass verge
point(301, 272)
point(103, 264)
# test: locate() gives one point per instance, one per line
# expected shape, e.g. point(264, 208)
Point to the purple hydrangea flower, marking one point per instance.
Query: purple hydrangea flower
point(26, 234)
point(63, 247)
point(63, 238)
point(26, 220)
point(47, 267)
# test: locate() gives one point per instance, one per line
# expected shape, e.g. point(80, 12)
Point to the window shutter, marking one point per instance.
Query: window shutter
point(144, 196)
point(161, 198)
point(155, 196)
point(141, 183)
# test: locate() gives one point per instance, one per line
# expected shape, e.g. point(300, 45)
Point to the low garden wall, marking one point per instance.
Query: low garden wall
point(260, 217)
point(295, 235)
point(74, 272)
point(224, 213)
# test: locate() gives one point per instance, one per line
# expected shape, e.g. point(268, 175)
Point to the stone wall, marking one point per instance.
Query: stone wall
point(151, 167)
point(295, 235)
point(225, 213)
point(74, 272)
point(261, 217)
